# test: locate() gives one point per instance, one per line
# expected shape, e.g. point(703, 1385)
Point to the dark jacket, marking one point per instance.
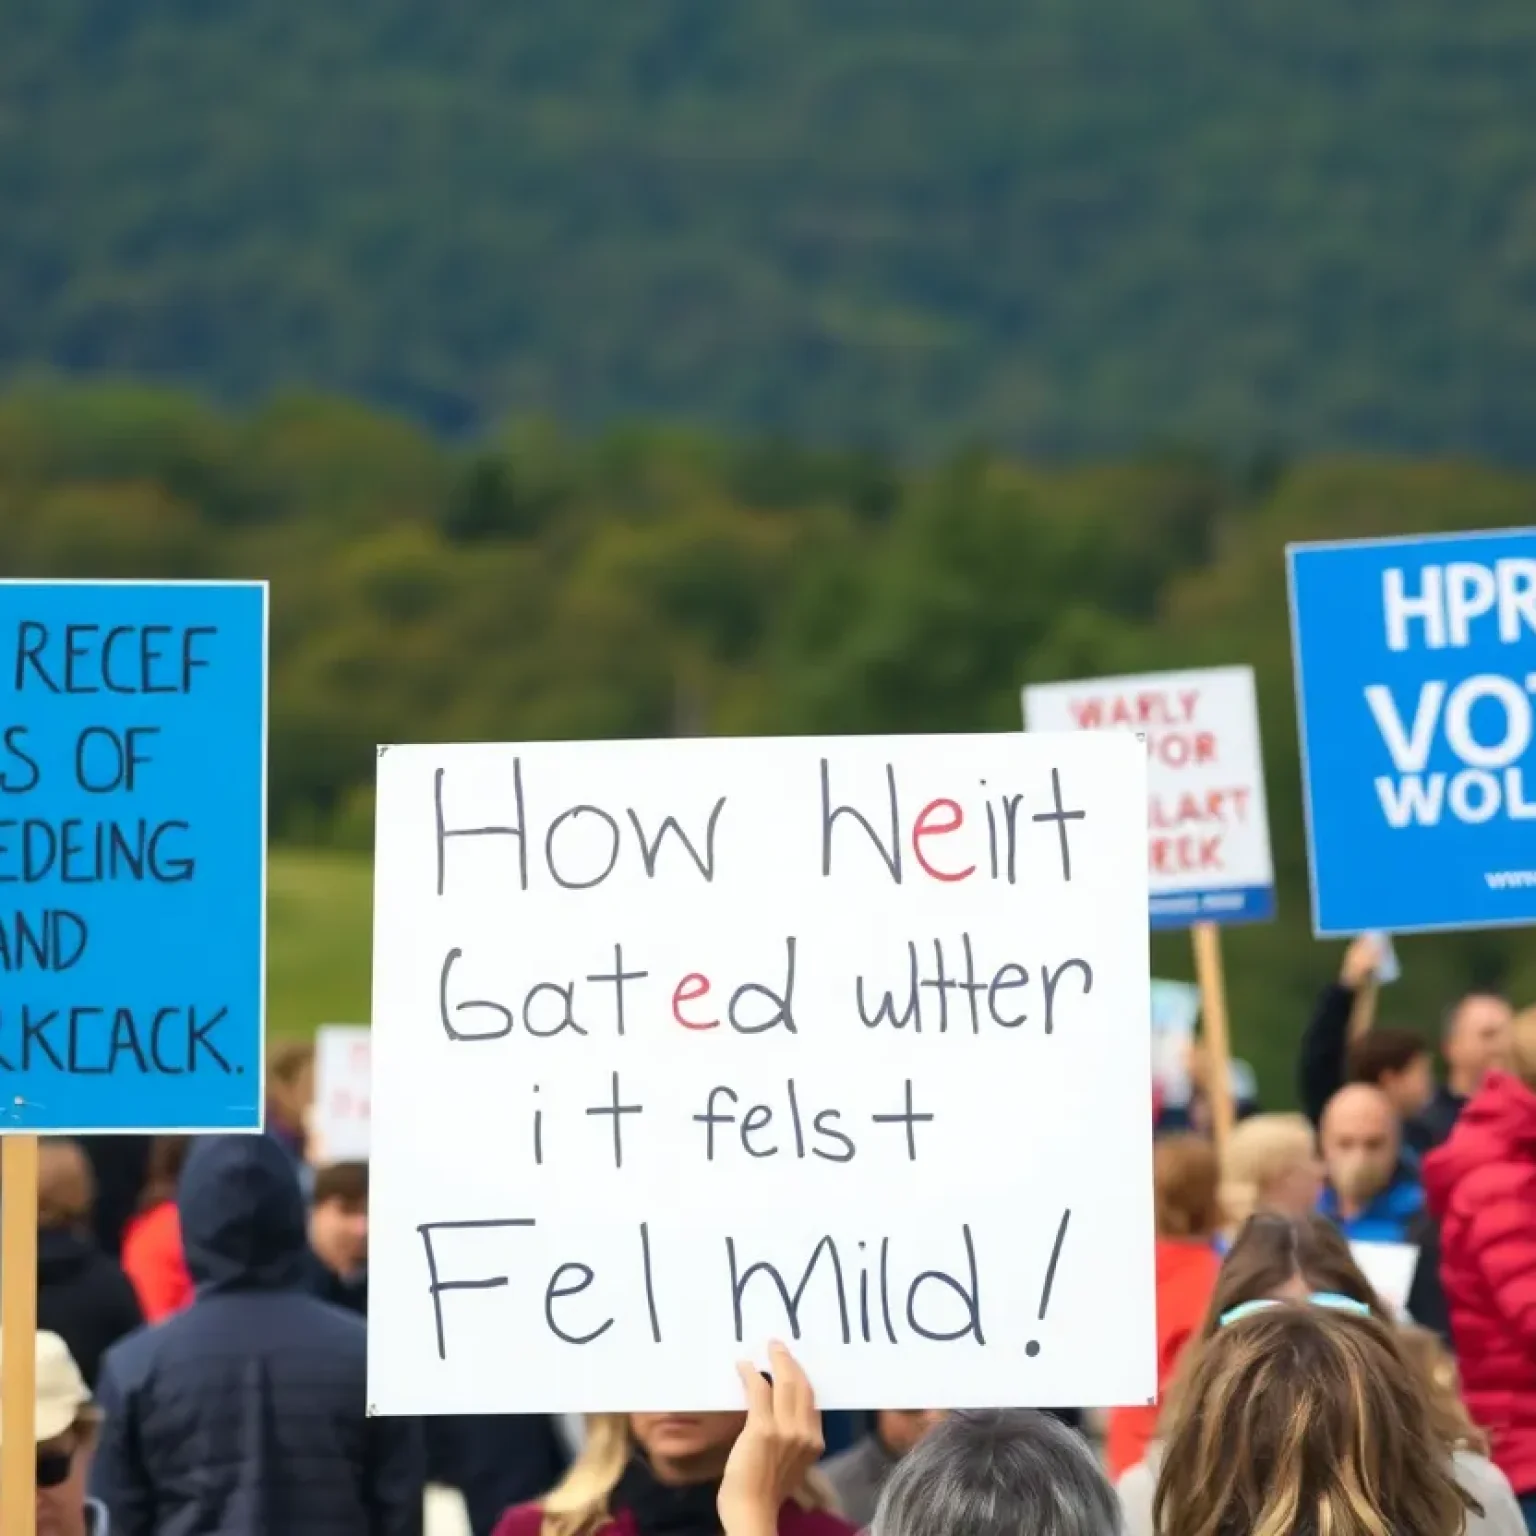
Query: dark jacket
point(244, 1415)
point(84, 1297)
point(1320, 1072)
point(494, 1460)
point(1399, 1214)
point(119, 1165)
point(324, 1282)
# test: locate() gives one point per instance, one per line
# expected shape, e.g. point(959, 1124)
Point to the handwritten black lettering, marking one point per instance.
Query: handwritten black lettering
point(81, 852)
point(890, 856)
point(1061, 817)
point(617, 1109)
point(14, 783)
point(52, 940)
point(436, 1285)
point(783, 1002)
point(910, 1117)
point(649, 851)
point(1050, 980)
point(554, 1290)
point(118, 658)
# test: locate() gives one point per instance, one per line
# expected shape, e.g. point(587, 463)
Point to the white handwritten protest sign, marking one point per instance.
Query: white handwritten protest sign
point(343, 1092)
point(1207, 825)
point(682, 1046)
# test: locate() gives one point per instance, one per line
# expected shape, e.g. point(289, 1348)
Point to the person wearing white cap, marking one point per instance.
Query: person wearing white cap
point(65, 1425)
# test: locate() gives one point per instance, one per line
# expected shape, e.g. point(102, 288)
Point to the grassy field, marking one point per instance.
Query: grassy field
point(319, 940)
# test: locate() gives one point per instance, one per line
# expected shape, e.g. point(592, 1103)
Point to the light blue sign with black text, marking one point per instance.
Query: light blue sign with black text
point(132, 855)
point(1415, 670)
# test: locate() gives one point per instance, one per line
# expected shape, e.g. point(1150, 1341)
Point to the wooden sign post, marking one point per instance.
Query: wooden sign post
point(1218, 1048)
point(18, 1335)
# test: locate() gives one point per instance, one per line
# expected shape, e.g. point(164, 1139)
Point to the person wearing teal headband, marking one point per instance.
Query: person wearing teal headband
point(1330, 1299)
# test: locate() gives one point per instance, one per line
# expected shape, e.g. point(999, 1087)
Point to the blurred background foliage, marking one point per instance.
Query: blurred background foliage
point(1069, 226)
point(656, 582)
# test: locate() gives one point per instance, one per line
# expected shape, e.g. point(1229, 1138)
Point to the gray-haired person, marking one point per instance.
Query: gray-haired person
point(998, 1472)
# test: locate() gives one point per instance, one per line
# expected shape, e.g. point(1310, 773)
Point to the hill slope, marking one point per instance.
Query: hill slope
point(1073, 225)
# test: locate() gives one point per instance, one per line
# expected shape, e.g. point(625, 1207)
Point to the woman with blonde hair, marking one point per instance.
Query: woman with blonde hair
point(1481, 1187)
point(1270, 1164)
point(660, 1474)
point(1304, 1416)
point(1276, 1259)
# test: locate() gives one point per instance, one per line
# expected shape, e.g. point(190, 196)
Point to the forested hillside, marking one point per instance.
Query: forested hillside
point(1069, 226)
point(663, 582)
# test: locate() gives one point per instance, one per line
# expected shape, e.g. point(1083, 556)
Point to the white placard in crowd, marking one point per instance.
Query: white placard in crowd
point(1207, 834)
point(342, 1116)
point(1390, 1267)
point(683, 1046)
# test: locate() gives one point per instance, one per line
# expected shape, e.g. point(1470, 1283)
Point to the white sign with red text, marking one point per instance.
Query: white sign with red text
point(1208, 855)
point(342, 1116)
point(683, 1046)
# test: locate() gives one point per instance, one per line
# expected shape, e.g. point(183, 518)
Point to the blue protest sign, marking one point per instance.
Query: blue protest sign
point(132, 855)
point(1415, 663)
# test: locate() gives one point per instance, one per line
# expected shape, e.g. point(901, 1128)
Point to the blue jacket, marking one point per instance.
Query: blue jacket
point(1399, 1215)
point(1396, 1215)
point(245, 1414)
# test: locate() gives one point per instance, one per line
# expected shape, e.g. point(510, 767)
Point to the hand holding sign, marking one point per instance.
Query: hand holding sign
point(779, 1444)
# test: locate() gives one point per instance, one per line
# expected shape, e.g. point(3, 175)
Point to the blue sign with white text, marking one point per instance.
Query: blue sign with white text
point(1415, 669)
point(132, 855)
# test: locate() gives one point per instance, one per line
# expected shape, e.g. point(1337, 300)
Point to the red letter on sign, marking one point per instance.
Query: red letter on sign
point(690, 987)
point(922, 828)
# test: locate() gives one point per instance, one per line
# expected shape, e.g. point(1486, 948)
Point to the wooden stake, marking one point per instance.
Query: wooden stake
point(1213, 1014)
point(18, 1335)
point(1362, 1012)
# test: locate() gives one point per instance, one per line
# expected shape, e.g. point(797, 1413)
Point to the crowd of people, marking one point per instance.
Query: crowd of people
point(200, 1360)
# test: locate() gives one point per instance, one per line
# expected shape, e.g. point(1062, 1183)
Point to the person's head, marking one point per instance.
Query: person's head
point(998, 1473)
point(899, 1429)
point(66, 1187)
point(1398, 1062)
point(1441, 1381)
point(680, 1448)
point(338, 1218)
point(1270, 1164)
point(1280, 1258)
point(65, 1426)
point(1359, 1136)
point(1299, 1417)
point(167, 1157)
point(1185, 1180)
point(291, 1082)
point(242, 1215)
point(1476, 1039)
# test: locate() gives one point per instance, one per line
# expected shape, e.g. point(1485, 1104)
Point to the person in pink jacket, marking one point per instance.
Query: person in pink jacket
point(661, 1474)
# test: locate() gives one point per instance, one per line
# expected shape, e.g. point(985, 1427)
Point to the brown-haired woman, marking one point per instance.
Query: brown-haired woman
point(1277, 1259)
point(1185, 1182)
point(1298, 1417)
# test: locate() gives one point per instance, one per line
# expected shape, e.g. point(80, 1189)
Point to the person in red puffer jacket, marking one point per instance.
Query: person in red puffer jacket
point(1481, 1186)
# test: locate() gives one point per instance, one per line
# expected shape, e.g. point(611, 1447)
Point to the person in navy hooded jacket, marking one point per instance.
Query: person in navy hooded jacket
point(246, 1412)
